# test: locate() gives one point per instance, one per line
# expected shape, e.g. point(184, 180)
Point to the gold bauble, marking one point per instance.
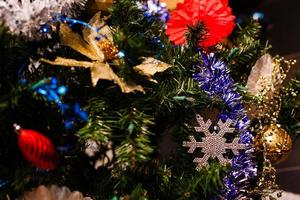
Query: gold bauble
point(276, 143)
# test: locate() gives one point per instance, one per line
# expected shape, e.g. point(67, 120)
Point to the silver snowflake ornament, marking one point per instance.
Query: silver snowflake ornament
point(213, 145)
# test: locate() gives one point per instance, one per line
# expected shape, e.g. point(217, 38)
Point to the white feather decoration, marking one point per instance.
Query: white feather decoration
point(52, 192)
point(261, 75)
point(24, 17)
point(265, 81)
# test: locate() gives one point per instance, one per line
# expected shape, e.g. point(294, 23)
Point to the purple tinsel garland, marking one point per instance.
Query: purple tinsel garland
point(214, 78)
point(154, 8)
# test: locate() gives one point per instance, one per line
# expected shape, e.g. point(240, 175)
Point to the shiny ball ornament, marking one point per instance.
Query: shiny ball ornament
point(37, 148)
point(276, 143)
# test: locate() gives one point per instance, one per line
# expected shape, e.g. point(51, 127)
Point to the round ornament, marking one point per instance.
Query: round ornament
point(275, 142)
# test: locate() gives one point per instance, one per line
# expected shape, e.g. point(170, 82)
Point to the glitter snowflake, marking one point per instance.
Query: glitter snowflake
point(213, 144)
point(25, 17)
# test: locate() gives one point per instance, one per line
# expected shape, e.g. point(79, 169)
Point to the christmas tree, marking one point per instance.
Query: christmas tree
point(132, 100)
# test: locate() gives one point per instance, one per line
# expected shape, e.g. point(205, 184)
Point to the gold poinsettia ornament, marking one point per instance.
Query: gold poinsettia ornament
point(98, 46)
point(151, 66)
point(52, 192)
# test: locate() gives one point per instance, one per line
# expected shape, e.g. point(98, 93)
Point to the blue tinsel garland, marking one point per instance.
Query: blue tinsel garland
point(214, 78)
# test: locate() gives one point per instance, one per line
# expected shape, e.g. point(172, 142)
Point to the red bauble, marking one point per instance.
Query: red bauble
point(216, 16)
point(37, 149)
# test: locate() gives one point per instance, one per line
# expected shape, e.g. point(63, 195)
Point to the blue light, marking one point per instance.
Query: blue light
point(50, 89)
point(45, 28)
point(258, 16)
point(3, 183)
point(62, 90)
point(121, 54)
point(64, 19)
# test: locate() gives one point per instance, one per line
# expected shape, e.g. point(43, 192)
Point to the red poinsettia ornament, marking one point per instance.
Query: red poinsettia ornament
point(37, 148)
point(215, 15)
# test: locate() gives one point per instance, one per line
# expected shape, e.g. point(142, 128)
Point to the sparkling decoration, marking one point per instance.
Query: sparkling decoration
point(25, 17)
point(109, 50)
point(266, 187)
point(213, 144)
point(261, 75)
point(215, 15)
point(276, 143)
point(67, 20)
point(52, 192)
point(265, 83)
point(98, 50)
point(154, 8)
point(50, 89)
point(37, 148)
point(46, 28)
point(214, 78)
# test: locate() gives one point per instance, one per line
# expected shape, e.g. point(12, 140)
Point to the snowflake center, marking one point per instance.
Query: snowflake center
point(215, 145)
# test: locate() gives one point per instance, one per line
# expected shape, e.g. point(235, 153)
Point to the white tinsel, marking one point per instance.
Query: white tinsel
point(24, 17)
point(52, 192)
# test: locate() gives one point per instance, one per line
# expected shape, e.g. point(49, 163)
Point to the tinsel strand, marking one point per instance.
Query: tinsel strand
point(214, 78)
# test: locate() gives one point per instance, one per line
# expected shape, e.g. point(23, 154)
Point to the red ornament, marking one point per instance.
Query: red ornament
point(216, 16)
point(37, 149)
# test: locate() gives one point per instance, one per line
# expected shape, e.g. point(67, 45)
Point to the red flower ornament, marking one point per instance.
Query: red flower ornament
point(216, 16)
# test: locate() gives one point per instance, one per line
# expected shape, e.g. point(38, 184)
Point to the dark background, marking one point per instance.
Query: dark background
point(284, 16)
point(282, 30)
point(281, 21)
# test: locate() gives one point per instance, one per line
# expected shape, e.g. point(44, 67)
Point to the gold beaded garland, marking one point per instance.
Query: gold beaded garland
point(275, 142)
point(109, 49)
